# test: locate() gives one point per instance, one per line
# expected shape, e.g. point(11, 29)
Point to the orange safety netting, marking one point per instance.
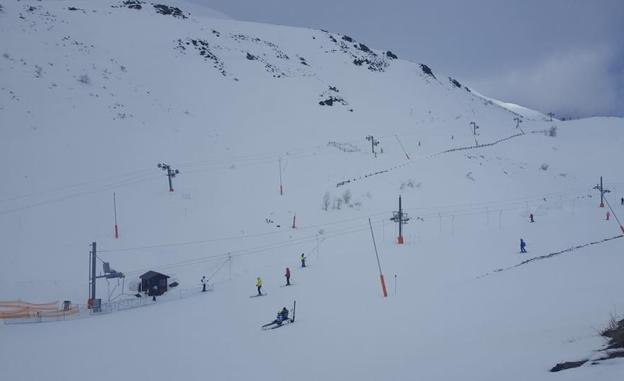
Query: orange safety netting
point(15, 309)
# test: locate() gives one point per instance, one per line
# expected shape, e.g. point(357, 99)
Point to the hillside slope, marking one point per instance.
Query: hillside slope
point(94, 94)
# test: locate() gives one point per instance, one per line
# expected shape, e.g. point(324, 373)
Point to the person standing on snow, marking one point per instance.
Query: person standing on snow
point(204, 281)
point(522, 246)
point(259, 285)
point(303, 259)
point(287, 275)
point(531, 217)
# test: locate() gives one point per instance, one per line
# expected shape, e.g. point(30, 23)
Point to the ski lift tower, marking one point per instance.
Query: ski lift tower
point(401, 218)
point(374, 143)
point(602, 192)
point(171, 173)
point(95, 304)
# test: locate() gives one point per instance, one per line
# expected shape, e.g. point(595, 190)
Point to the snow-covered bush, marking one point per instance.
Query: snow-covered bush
point(552, 132)
point(325, 205)
point(614, 332)
point(338, 203)
point(346, 197)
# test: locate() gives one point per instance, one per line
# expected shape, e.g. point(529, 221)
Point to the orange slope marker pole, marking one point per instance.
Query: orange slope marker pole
point(381, 277)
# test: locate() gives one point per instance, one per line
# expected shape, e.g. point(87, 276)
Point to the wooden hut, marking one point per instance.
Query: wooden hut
point(154, 283)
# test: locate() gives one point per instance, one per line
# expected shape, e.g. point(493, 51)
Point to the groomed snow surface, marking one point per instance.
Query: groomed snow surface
point(91, 99)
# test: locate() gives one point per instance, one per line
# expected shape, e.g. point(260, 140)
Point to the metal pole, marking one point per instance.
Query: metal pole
point(374, 245)
point(395, 284)
point(616, 217)
point(318, 248)
point(280, 176)
point(381, 277)
point(169, 176)
point(440, 217)
point(90, 253)
point(601, 194)
point(403, 148)
point(93, 279)
point(400, 221)
point(115, 212)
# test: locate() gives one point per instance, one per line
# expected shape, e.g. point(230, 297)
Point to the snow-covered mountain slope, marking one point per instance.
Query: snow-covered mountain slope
point(93, 94)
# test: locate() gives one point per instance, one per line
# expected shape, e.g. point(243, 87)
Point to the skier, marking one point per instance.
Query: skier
point(531, 217)
point(622, 201)
point(282, 316)
point(303, 259)
point(608, 215)
point(287, 275)
point(204, 281)
point(259, 285)
point(522, 246)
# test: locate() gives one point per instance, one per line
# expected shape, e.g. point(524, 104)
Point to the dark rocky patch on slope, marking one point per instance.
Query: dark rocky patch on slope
point(204, 50)
point(275, 71)
point(276, 50)
point(330, 96)
point(329, 101)
point(391, 55)
point(455, 83)
point(567, 365)
point(169, 11)
point(427, 70)
point(361, 54)
point(131, 4)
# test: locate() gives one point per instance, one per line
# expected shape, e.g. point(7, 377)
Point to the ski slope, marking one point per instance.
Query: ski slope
point(93, 97)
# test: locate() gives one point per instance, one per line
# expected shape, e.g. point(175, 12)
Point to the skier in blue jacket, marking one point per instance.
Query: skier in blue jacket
point(282, 316)
point(522, 246)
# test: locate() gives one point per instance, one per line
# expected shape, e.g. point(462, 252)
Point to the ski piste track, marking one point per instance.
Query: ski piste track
point(146, 174)
point(550, 255)
point(430, 156)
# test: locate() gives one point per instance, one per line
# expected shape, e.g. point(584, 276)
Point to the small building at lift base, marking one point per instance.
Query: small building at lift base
point(154, 283)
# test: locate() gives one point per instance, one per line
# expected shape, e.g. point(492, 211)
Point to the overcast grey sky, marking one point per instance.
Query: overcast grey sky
point(562, 56)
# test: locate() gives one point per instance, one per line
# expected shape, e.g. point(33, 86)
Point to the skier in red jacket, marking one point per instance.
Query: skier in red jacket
point(287, 275)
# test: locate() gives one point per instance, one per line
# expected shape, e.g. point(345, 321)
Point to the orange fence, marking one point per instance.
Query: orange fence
point(17, 309)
